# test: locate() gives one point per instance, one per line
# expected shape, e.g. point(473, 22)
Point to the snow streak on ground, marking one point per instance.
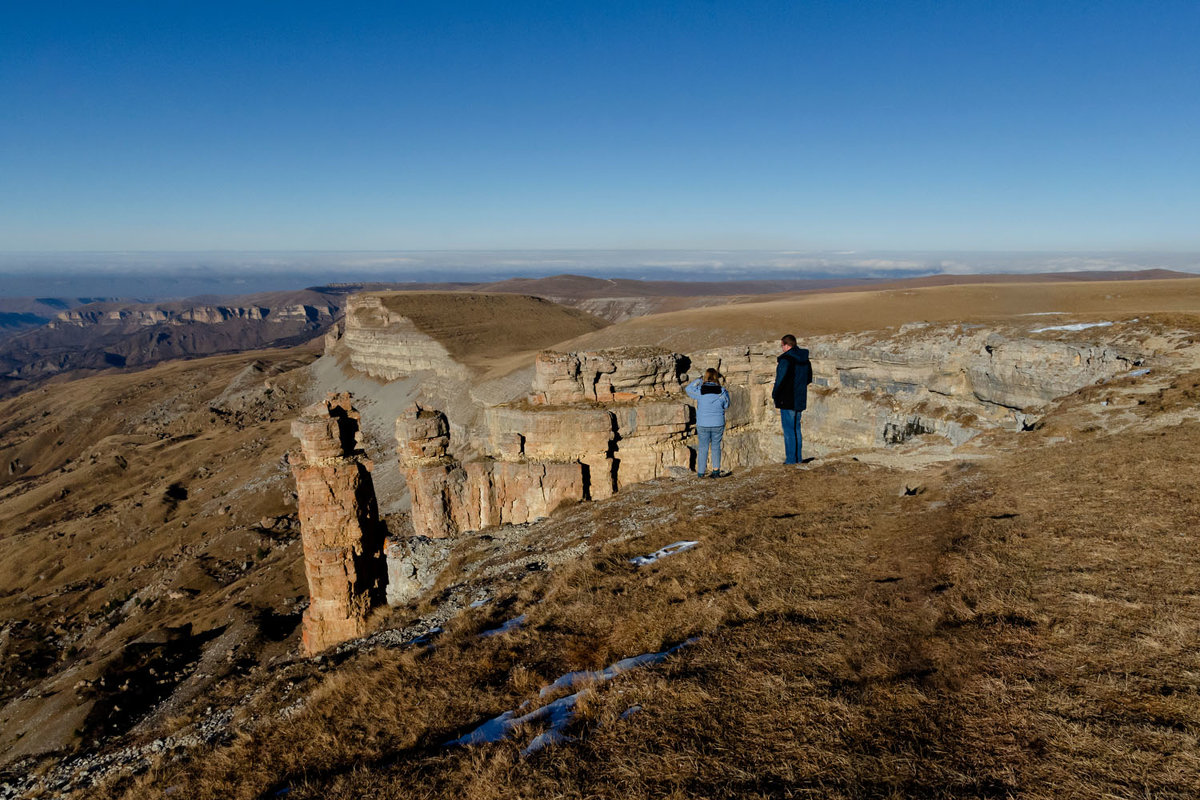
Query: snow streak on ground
point(560, 712)
point(671, 549)
point(515, 622)
point(1074, 326)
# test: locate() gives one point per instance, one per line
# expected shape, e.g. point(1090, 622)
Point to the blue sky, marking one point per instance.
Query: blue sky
point(458, 125)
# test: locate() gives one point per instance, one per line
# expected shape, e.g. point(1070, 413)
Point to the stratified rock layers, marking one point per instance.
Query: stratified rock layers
point(604, 376)
point(595, 422)
point(449, 496)
point(339, 523)
point(389, 345)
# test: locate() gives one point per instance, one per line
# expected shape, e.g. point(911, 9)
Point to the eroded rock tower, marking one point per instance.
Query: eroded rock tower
point(339, 523)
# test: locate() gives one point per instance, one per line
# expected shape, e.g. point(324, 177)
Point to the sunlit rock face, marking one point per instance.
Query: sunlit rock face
point(339, 523)
point(604, 376)
point(591, 423)
point(595, 423)
point(388, 345)
point(449, 496)
point(877, 390)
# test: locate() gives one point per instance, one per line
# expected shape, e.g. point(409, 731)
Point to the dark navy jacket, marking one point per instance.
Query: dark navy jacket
point(793, 374)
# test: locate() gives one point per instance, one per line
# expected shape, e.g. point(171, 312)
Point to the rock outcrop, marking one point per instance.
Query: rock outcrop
point(386, 344)
point(449, 334)
point(604, 376)
point(449, 496)
point(339, 523)
point(595, 422)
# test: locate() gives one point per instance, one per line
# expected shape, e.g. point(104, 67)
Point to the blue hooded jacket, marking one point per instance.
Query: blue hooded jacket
point(711, 401)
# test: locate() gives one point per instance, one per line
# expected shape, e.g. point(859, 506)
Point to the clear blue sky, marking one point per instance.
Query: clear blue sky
point(457, 125)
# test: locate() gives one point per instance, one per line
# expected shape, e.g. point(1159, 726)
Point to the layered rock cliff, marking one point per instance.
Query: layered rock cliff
point(621, 415)
point(580, 425)
point(588, 424)
point(387, 344)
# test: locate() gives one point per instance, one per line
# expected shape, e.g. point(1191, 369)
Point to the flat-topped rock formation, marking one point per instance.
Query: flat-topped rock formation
point(394, 334)
point(477, 450)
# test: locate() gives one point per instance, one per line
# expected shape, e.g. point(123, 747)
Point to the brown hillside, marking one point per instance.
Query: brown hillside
point(479, 328)
point(1018, 621)
point(755, 319)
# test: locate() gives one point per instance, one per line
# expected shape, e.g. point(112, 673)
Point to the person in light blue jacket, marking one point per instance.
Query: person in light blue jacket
point(711, 401)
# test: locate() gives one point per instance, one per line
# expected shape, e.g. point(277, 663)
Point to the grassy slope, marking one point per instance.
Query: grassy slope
point(128, 487)
point(756, 320)
point(855, 642)
point(1020, 627)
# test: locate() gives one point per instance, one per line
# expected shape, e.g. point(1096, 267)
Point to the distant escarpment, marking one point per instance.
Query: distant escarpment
point(392, 334)
point(115, 335)
point(19, 314)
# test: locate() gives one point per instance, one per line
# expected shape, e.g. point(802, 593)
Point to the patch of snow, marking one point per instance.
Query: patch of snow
point(1137, 373)
point(515, 622)
point(560, 712)
point(573, 679)
point(629, 712)
point(1074, 326)
point(671, 549)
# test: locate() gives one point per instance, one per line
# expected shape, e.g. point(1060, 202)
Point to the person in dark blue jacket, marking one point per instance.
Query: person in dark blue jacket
point(793, 374)
point(711, 401)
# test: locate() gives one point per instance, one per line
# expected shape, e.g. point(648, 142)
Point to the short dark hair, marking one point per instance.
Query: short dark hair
point(788, 339)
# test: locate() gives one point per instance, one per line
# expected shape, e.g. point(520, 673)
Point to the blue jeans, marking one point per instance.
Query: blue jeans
point(793, 441)
point(706, 437)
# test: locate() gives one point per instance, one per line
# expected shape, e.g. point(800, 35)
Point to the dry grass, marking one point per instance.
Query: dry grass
point(756, 320)
point(1023, 628)
point(477, 329)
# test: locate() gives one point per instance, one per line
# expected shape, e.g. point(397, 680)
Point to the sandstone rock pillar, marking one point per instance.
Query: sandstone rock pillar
point(339, 523)
point(434, 479)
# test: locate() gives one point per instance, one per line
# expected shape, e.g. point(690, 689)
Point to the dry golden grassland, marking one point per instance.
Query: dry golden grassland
point(476, 329)
point(1024, 623)
point(1023, 626)
point(757, 319)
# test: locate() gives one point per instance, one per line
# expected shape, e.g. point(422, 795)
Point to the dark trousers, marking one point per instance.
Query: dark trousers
point(793, 441)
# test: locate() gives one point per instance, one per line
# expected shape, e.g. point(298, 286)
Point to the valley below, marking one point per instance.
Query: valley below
point(981, 584)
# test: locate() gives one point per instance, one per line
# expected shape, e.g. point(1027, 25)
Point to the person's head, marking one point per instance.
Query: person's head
point(712, 376)
point(787, 341)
